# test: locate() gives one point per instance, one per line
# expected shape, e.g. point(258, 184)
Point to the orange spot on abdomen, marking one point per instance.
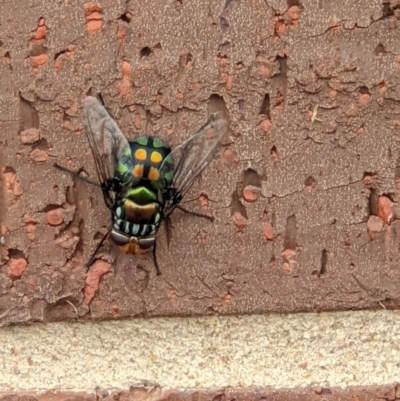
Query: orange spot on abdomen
point(137, 171)
point(156, 157)
point(154, 174)
point(141, 154)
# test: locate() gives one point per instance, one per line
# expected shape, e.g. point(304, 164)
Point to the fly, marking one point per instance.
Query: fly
point(143, 180)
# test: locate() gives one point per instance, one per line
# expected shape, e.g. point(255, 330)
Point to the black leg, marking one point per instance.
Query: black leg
point(211, 218)
point(158, 271)
point(76, 175)
point(89, 263)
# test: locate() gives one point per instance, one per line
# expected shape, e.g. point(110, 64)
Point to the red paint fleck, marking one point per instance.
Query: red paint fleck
point(40, 33)
point(353, 112)
point(251, 193)
point(269, 232)
point(227, 154)
point(58, 64)
point(137, 121)
point(38, 155)
point(385, 210)
point(67, 241)
point(293, 13)
point(364, 99)
point(265, 125)
point(12, 184)
point(382, 87)
point(55, 217)
point(264, 70)
point(367, 180)
point(274, 156)
point(280, 27)
point(227, 298)
point(126, 69)
point(121, 33)
point(39, 60)
point(374, 225)
point(229, 82)
point(92, 282)
point(203, 199)
point(124, 85)
point(29, 136)
point(94, 26)
point(92, 7)
point(239, 220)
point(74, 109)
point(94, 16)
point(30, 227)
point(114, 312)
point(289, 254)
point(16, 268)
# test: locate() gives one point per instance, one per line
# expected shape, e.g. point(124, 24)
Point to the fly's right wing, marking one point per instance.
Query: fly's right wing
point(192, 156)
point(111, 151)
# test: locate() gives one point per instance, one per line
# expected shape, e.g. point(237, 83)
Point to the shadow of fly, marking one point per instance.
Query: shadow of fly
point(143, 181)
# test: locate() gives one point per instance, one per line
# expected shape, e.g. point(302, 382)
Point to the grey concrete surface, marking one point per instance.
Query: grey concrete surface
point(327, 349)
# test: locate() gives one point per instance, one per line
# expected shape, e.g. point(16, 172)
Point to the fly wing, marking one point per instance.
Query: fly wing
point(110, 149)
point(196, 153)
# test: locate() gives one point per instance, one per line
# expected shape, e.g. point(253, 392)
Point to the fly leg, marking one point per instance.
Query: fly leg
point(158, 271)
point(89, 263)
point(211, 218)
point(76, 175)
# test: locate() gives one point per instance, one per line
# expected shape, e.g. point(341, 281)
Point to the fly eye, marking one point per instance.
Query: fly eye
point(118, 238)
point(146, 243)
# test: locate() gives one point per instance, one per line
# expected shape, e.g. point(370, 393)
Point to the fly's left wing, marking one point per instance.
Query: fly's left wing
point(110, 149)
point(193, 156)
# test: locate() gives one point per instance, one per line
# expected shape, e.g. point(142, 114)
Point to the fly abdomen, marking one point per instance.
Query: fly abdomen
point(138, 213)
point(136, 230)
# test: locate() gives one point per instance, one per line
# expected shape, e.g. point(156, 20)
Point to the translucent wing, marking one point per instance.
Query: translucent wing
point(110, 148)
point(195, 154)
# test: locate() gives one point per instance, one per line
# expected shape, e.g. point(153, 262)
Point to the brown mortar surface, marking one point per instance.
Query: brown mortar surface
point(368, 393)
point(305, 188)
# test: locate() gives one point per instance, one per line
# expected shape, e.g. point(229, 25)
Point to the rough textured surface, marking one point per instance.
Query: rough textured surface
point(327, 350)
point(311, 92)
point(370, 393)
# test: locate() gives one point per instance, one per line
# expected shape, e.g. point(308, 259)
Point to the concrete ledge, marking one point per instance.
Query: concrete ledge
point(278, 351)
